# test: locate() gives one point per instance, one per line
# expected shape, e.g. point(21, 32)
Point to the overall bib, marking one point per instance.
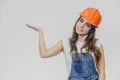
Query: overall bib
point(83, 69)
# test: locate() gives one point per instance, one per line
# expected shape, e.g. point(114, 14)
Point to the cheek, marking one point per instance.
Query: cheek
point(78, 23)
point(76, 28)
point(87, 29)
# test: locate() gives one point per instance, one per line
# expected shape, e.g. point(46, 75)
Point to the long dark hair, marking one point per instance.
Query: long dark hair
point(90, 42)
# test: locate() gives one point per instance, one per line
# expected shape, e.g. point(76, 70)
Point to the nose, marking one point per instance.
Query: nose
point(82, 25)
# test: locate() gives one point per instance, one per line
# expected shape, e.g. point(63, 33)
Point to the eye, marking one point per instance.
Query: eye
point(81, 20)
point(89, 25)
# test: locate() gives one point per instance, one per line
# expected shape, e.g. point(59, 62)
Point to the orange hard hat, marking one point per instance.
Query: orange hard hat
point(92, 15)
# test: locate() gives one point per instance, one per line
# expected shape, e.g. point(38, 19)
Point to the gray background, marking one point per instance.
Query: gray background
point(19, 53)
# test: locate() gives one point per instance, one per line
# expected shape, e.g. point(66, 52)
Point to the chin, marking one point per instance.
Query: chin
point(78, 32)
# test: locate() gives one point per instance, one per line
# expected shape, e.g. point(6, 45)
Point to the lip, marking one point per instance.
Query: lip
point(79, 29)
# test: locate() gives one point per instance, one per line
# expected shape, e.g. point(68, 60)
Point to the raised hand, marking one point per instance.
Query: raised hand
point(34, 27)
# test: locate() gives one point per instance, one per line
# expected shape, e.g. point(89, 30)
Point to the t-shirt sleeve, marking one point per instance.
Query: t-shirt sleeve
point(66, 51)
point(66, 45)
point(98, 43)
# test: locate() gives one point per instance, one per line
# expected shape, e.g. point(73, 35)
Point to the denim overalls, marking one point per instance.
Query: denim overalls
point(83, 69)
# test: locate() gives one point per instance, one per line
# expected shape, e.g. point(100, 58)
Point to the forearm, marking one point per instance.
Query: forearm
point(102, 76)
point(101, 65)
point(42, 45)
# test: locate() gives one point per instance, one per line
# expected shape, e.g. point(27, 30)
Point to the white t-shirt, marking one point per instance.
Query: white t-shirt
point(67, 55)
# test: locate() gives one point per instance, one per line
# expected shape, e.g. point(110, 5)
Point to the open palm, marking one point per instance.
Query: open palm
point(33, 27)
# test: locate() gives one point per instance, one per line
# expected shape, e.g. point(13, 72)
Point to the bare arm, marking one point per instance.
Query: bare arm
point(44, 52)
point(101, 65)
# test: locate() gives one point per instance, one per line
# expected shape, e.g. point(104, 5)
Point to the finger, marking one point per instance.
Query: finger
point(33, 27)
point(28, 25)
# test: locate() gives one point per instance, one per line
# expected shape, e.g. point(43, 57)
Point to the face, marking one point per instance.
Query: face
point(83, 26)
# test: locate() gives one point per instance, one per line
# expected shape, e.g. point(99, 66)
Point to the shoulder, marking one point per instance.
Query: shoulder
point(66, 40)
point(66, 44)
point(98, 43)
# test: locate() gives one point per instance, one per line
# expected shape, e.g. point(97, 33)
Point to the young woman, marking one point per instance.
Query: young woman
point(83, 52)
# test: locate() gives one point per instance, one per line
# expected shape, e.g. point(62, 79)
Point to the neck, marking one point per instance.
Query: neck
point(82, 38)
